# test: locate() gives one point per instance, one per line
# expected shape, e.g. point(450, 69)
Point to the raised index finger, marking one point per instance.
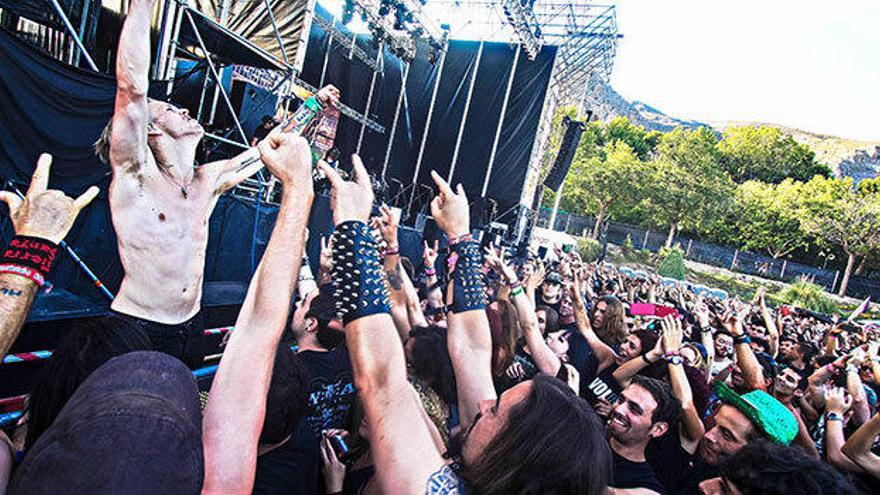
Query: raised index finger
point(332, 175)
point(441, 184)
point(40, 179)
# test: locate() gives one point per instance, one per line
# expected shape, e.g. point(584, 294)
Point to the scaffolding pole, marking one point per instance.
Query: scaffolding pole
point(370, 97)
point(396, 116)
point(467, 106)
point(277, 33)
point(427, 126)
point(501, 120)
point(216, 75)
point(73, 34)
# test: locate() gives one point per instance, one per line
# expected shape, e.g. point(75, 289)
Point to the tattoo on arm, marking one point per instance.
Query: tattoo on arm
point(6, 291)
point(247, 162)
point(394, 277)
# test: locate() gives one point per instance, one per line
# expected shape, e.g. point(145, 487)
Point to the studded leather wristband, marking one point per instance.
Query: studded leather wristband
point(469, 287)
point(359, 285)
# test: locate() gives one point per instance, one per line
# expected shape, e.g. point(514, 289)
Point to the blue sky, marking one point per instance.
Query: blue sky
point(806, 64)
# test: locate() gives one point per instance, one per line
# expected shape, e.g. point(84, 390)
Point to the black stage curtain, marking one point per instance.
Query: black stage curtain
point(518, 132)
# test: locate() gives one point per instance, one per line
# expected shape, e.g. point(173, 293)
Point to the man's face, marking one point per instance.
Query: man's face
point(599, 314)
point(786, 382)
point(630, 421)
point(723, 345)
point(792, 353)
point(551, 291)
point(491, 419)
point(299, 324)
point(542, 321)
point(718, 486)
point(173, 121)
point(730, 433)
point(785, 347)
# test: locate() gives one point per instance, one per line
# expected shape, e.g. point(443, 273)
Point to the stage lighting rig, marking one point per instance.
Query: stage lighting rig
point(521, 17)
point(399, 23)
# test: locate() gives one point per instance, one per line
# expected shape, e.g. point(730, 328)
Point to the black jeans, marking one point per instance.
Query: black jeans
point(185, 341)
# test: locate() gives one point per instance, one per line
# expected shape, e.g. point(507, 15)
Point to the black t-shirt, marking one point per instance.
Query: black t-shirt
point(602, 386)
point(530, 369)
point(539, 297)
point(698, 472)
point(669, 460)
point(629, 474)
point(292, 468)
point(331, 389)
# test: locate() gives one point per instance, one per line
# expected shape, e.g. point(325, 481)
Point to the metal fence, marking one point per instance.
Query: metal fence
point(732, 259)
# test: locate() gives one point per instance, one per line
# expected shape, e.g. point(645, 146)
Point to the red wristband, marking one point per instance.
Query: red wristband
point(30, 257)
point(392, 250)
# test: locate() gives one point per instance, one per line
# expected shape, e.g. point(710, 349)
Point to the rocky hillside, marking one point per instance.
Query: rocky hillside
point(846, 157)
point(607, 103)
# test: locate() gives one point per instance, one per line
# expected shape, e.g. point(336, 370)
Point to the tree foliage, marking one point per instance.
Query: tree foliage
point(688, 186)
point(767, 154)
point(767, 217)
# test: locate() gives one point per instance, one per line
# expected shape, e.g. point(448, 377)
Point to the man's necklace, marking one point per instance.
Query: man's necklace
point(183, 187)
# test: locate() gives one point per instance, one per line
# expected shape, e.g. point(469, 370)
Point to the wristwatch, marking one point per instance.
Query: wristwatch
point(833, 416)
point(674, 360)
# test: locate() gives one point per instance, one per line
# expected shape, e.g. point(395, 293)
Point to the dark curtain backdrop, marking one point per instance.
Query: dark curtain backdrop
point(518, 131)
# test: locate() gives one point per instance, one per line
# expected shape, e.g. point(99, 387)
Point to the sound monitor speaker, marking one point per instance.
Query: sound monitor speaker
point(573, 131)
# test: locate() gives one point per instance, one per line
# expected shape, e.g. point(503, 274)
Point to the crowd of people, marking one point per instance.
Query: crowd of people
point(465, 371)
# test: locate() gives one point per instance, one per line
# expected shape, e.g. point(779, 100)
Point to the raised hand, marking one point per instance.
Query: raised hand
point(289, 158)
point(702, 314)
point(450, 208)
point(326, 260)
point(45, 213)
point(672, 333)
point(386, 223)
point(495, 260)
point(350, 200)
point(329, 95)
point(837, 400)
point(429, 254)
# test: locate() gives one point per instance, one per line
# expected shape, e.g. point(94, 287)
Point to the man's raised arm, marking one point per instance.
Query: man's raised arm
point(400, 443)
point(128, 135)
point(236, 409)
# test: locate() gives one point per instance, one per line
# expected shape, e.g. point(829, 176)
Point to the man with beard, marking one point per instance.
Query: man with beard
point(739, 421)
point(645, 411)
point(538, 437)
point(723, 342)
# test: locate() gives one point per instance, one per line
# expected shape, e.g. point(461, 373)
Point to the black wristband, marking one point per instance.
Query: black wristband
point(358, 281)
point(742, 339)
point(469, 287)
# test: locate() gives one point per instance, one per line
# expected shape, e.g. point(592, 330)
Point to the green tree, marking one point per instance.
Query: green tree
point(767, 217)
point(642, 141)
point(838, 215)
point(688, 188)
point(767, 154)
point(599, 183)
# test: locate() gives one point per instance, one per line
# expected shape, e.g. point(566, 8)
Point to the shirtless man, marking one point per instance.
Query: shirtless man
point(159, 200)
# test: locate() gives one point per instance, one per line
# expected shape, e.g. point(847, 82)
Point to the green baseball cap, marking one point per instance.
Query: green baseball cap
point(765, 412)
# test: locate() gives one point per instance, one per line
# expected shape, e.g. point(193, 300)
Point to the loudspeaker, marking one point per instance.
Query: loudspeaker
point(573, 131)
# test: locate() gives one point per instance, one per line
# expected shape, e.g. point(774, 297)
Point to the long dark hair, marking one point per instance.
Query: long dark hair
point(431, 363)
point(553, 443)
point(504, 327)
point(613, 330)
point(83, 350)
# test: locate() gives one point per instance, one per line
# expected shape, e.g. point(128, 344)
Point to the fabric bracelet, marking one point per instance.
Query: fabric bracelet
point(469, 287)
point(517, 291)
point(454, 241)
point(30, 257)
point(742, 339)
point(392, 250)
point(359, 285)
point(430, 272)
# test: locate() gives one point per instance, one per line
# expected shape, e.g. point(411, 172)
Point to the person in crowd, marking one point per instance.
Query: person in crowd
point(645, 411)
point(267, 123)
point(767, 468)
point(497, 431)
point(160, 200)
